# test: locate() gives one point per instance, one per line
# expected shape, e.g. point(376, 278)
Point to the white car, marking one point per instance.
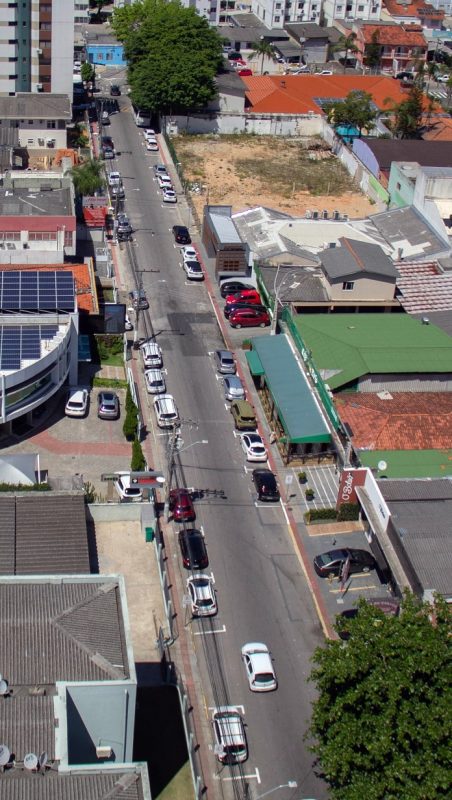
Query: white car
point(164, 181)
point(259, 668)
point(149, 133)
point(151, 144)
point(128, 325)
point(76, 403)
point(128, 492)
point(166, 411)
point(230, 737)
point(155, 382)
point(152, 355)
point(324, 72)
point(193, 270)
point(114, 179)
point(189, 253)
point(169, 196)
point(202, 596)
point(442, 78)
point(253, 447)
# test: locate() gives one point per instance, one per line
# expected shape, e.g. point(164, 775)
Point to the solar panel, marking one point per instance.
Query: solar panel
point(20, 343)
point(37, 291)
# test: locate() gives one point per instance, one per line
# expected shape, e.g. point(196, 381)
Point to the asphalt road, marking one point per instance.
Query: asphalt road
point(262, 594)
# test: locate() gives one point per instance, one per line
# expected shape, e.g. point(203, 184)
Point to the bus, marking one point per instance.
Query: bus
point(142, 118)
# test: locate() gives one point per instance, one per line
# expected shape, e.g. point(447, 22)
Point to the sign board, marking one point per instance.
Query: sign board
point(106, 476)
point(350, 478)
point(150, 478)
point(288, 480)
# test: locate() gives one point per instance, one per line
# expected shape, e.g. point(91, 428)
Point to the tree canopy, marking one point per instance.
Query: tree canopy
point(346, 44)
point(407, 116)
point(382, 723)
point(263, 48)
point(357, 110)
point(172, 53)
point(88, 177)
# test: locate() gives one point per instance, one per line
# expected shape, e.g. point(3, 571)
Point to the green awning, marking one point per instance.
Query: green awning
point(254, 363)
point(298, 409)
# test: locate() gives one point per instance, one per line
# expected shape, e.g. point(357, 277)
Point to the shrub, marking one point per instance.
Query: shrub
point(138, 462)
point(23, 487)
point(309, 494)
point(129, 427)
point(321, 513)
point(110, 383)
point(302, 477)
point(109, 345)
point(348, 512)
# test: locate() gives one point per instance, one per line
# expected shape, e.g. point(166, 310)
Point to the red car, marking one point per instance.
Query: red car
point(181, 505)
point(245, 72)
point(250, 296)
point(248, 318)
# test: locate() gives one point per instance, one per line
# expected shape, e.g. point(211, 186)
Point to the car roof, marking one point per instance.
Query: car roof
point(234, 381)
point(76, 394)
point(225, 354)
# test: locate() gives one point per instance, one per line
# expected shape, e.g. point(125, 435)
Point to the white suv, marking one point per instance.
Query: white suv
point(152, 355)
point(229, 731)
point(76, 403)
point(166, 411)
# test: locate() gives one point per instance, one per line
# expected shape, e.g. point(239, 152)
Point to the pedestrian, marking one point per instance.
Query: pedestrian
point(273, 437)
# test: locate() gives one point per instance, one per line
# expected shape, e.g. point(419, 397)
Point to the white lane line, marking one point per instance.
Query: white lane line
point(239, 777)
point(206, 633)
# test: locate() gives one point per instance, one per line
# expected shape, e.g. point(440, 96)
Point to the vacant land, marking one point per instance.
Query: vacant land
point(289, 175)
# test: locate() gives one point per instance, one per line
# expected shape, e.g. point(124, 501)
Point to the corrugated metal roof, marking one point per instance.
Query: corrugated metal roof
point(61, 631)
point(123, 785)
point(225, 228)
point(31, 105)
point(27, 726)
point(299, 413)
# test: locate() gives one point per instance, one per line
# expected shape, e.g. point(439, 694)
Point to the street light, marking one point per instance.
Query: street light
point(172, 450)
point(288, 785)
point(277, 293)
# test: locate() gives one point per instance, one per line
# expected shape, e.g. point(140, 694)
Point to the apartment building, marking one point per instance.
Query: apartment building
point(37, 46)
point(366, 10)
point(276, 14)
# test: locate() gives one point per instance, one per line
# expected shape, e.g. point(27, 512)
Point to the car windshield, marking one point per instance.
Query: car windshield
point(169, 415)
point(227, 361)
point(132, 490)
point(264, 677)
point(75, 403)
point(324, 559)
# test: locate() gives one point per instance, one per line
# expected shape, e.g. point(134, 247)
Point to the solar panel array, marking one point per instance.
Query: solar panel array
point(35, 290)
point(20, 343)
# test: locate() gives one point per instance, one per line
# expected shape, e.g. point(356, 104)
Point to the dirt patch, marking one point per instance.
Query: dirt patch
point(288, 175)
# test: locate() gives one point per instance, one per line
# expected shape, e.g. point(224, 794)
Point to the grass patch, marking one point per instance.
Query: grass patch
point(113, 360)
point(180, 787)
point(110, 383)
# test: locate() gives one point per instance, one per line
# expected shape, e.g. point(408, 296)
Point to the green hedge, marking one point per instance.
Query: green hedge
point(348, 512)
point(129, 427)
point(138, 462)
point(320, 513)
point(110, 383)
point(22, 487)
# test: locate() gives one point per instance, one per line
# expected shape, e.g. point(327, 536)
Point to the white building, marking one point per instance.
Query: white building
point(37, 46)
point(367, 10)
point(277, 14)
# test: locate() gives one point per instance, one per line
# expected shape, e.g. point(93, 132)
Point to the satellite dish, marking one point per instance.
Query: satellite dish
point(382, 465)
point(31, 761)
point(5, 755)
point(43, 759)
point(3, 687)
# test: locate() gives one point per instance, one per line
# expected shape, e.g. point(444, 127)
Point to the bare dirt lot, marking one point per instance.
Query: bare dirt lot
point(288, 175)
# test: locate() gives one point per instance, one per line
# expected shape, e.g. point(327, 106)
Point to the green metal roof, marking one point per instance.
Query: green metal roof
point(409, 463)
point(254, 363)
point(346, 347)
point(298, 410)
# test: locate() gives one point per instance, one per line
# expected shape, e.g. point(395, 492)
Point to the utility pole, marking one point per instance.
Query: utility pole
point(172, 445)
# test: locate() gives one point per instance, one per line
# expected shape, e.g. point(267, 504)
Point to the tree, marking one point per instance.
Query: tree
point(346, 44)
point(98, 5)
point(173, 55)
point(87, 72)
point(372, 52)
point(407, 117)
point(263, 48)
point(356, 110)
point(382, 722)
point(88, 177)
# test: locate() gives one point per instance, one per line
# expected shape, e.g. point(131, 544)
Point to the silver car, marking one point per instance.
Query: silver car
point(155, 382)
point(233, 388)
point(224, 362)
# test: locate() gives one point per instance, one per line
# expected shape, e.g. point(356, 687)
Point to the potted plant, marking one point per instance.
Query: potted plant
point(302, 477)
point(246, 344)
point(309, 494)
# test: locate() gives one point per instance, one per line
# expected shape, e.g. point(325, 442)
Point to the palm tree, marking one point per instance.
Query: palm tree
point(88, 177)
point(263, 48)
point(346, 44)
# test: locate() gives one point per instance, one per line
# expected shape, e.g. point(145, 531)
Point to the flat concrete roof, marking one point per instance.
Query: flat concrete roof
point(36, 201)
point(33, 105)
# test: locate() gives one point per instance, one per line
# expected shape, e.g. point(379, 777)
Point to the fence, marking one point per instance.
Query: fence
point(164, 583)
point(186, 185)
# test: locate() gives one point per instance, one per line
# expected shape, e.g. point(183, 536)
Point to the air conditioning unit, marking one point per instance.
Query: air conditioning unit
point(39, 87)
point(103, 751)
point(38, 51)
point(51, 142)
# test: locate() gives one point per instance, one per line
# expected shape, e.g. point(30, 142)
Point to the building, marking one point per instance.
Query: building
point(429, 189)
point(37, 211)
point(37, 46)
point(357, 272)
point(70, 682)
point(314, 41)
point(425, 287)
point(401, 46)
point(222, 241)
point(39, 123)
point(418, 12)
point(106, 52)
point(351, 10)
point(377, 155)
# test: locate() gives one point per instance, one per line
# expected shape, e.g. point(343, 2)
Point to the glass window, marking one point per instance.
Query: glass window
point(348, 286)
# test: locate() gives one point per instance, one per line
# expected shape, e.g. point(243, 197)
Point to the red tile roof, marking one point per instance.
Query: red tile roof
point(439, 129)
point(294, 94)
point(85, 284)
point(408, 35)
point(415, 8)
point(408, 421)
point(424, 287)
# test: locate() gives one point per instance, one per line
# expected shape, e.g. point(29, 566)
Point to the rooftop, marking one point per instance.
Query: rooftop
point(427, 154)
point(225, 228)
point(408, 233)
point(84, 278)
point(424, 288)
point(297, 284)
point(300, 94)
point(399, 421)
point(396, 34)
point(346, 347)
point(31, 105)
point(412, 8)
point(438, 129)
point(421, 512)
point(357, 258)
point(58, 521)
point(36, 198)
point(409, 463)
point(120, 784)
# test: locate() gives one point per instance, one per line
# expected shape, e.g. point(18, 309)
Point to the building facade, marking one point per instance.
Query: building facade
point(365, 10)
point(37, 42)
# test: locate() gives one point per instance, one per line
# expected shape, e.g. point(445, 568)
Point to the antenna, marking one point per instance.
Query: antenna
point(31, 762)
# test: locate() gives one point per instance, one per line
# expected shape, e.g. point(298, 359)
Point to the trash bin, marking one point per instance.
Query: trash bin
point(149, 534)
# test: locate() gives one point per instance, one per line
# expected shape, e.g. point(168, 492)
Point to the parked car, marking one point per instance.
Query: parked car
point(232, 287)
point(155, 382)
point(233, 388)
point(164, 181)
point(193, 270)
point(77, 403)
point(405, 76)
point(107, 153)
point(188, 253)
point(104, 118)
point(193, 549)
point(128, 324)
point(114, 178)
point(152, 355)
point(388, 606)
point(324, 72)
point(123, 224)
point(152, 145)
point(107, 141)
point(249, 318)
point(234, 55)
point(245, 72)
point(149, 133)
point(138, 299)
point(253, 447)
point(166, 411)
point(250, 296)
point(181, 234)
point(259, 668)
point(224, 362)
point(115, 91)
point(228, 310)
point(108, 405)
point(266, 486)
point(202, 596)
point(444, 78)
point(169, 196)
point(118, 191)
point(332, 562)
point(160, 169)
point(243, 415)
point(128, 492)
point(181, 505)
point(229, 733)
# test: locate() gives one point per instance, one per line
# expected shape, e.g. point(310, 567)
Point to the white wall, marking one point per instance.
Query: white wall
point(264, 124)
point(62, 46)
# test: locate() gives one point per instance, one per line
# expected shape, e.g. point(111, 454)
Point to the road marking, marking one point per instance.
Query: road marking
point(234, 705)
point(205, 633)
point(353, 588)
point(333, 535)
point(256, 775)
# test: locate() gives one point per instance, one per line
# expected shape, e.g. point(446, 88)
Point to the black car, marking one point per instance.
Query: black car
point(107, 141)
point(231, 287)
point(115, 91)
point(181, 234)
point(333, 562)
point(227, 311)
point(266, 486)
point(193, 549)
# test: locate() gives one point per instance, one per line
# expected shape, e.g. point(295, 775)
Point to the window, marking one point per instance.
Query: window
point(348, 286)
point(361, 9)
point(51, 124)
point(44, 236)
point(30, 141)
point(277, 19)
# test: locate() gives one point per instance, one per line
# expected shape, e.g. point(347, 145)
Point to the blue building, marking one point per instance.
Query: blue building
point(108, 54)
